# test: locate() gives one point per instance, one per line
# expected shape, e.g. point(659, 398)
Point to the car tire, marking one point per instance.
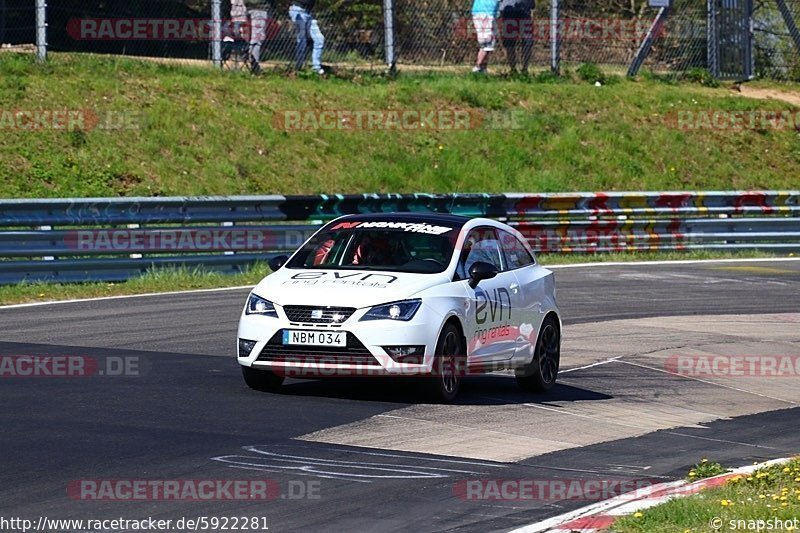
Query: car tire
point(261, 380)
point(448, 365)
point(541, 374)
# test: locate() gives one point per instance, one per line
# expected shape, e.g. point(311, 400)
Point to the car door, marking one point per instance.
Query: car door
point(491, 317)
point(531, 282)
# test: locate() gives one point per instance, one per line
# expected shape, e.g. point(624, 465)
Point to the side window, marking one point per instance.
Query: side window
point(481, 244)
point(517, 256)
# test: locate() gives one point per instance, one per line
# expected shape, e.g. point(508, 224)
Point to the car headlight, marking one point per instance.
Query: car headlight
point(404, 310)
point(256, 305)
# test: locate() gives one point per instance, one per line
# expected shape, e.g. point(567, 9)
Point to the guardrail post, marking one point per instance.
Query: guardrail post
point(216, 32)
point(41, 30)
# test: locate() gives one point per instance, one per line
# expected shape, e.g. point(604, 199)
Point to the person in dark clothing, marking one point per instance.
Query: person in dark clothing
point(306, 27)
point(516, 28)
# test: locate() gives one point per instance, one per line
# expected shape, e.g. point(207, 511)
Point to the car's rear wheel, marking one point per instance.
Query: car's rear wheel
point(448, 365)
point(541, 374)
point(261, 380)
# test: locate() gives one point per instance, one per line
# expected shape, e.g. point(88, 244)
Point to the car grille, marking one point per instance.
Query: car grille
point(303, 314)
point(354, 353)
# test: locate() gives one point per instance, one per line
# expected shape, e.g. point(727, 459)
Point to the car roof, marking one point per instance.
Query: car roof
point(442, 218)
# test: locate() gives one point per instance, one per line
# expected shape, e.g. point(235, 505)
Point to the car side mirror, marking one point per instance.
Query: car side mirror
point(480, 271)
point(277, 262)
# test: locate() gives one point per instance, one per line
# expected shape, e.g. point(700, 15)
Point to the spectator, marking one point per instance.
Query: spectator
point(484, 13)
point(306, 27)
point(238, 18)
point(517, 27)
point(259, 21)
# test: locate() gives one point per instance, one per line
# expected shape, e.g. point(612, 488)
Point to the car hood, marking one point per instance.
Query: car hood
point(345, 288)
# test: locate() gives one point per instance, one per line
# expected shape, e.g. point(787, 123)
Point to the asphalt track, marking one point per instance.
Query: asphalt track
point(189, 416)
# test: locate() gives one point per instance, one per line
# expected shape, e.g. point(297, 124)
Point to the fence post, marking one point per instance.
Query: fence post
point(216, 32)
point(41, 30)
point(555, 38)
point(388, 30)
point(791, 25)
point(647, 43)
point(712, 39)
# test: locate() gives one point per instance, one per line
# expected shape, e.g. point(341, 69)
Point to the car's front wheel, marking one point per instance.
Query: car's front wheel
point(261, 380)
point(448, 365)
point(541, 374)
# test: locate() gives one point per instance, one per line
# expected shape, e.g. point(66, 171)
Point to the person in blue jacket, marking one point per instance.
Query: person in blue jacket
point(306, 27)
point(484, 13)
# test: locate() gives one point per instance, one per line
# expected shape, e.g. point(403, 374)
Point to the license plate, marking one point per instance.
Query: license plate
point(315, 338)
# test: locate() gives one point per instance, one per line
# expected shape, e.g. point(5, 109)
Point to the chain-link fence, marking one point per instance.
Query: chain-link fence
point(17, 25)
point(730, 38)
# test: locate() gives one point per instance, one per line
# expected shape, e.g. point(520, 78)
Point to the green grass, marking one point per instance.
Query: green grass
point(205, 132)
point(705, 469)
point(161, 280)
point(165, 280)
point(770, 493)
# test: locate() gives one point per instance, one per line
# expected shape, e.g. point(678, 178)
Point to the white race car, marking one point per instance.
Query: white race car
point(404, 294)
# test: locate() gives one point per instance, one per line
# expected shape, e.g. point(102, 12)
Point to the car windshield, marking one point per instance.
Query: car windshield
point(406, 247)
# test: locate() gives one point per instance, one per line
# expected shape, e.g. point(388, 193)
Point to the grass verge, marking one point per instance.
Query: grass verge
point(745, 503)
point(195, 131)
point(166, 280)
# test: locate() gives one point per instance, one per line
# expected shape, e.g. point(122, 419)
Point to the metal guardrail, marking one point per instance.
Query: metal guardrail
point(113, 239)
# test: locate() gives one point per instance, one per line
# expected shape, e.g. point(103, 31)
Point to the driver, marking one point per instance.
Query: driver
point(378, 248)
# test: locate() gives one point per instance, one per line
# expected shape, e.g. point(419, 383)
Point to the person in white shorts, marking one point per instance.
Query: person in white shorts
point(484, 13)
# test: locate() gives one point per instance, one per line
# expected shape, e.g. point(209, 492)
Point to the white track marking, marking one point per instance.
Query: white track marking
point(359, 471)
point(676, 262)
point(599, 363)
point(125, 296)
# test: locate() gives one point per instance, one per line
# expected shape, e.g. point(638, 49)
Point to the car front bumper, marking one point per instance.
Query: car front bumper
point(364, 355)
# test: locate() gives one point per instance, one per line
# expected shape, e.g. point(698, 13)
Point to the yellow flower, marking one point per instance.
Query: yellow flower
point(761, 496)
point(725, 503)
point(704, 460)
point(637, 514)
point(787, 470)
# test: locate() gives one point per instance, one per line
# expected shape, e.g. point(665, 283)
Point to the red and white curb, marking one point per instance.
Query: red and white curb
point(599, 516)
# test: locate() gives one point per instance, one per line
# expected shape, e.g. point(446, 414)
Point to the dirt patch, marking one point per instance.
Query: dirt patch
point(770, 94)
